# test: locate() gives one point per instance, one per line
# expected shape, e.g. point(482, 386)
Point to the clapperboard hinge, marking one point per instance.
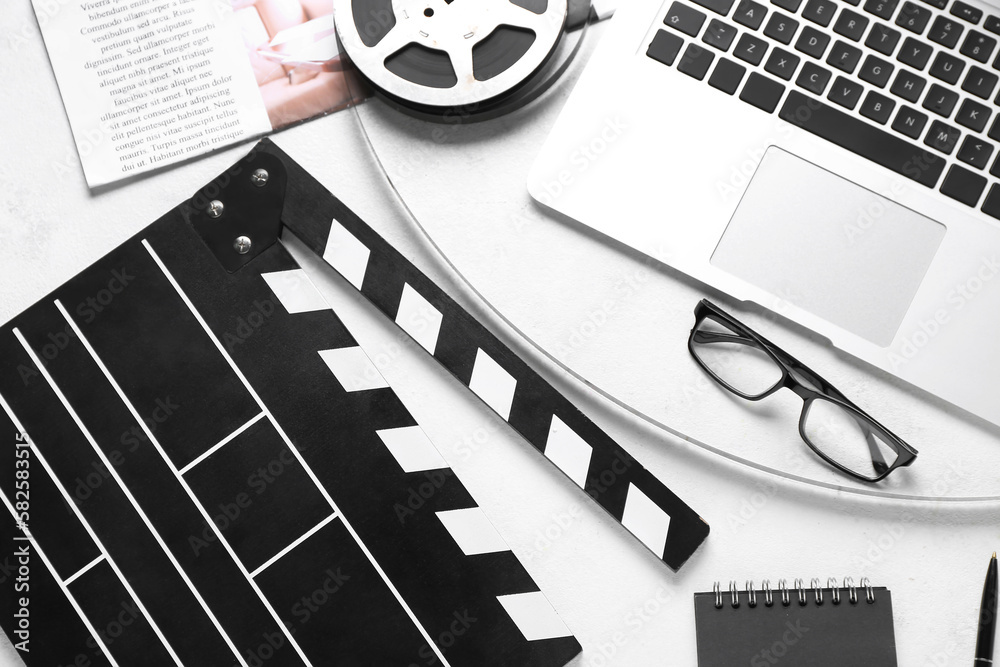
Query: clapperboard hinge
point(238, 214)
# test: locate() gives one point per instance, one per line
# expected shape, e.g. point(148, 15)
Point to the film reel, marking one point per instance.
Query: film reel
point(452, 58)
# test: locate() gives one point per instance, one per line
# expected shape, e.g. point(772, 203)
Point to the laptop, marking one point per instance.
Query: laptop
point(835, 161)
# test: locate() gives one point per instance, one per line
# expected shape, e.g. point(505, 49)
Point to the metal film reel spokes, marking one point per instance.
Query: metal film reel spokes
point(449, 53)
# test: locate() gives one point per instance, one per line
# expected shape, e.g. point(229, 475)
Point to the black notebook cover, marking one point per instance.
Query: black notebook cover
point(859, 634)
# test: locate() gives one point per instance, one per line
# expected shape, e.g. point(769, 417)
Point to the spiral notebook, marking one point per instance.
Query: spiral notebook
point(798, 626)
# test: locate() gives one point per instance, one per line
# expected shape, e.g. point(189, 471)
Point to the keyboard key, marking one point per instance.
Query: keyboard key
point(683, 18)
point(883, 39)
point(862, 138)
point(947, 67)
point(909, 122)
point(717, 6)
point(942, 137)
point(812, 42)
point(665, 47)
point(881, 8)
point(975, 152)
point(940, 4)
point(876, 71)
point(992, 204)
point(945, 31)
point(813, 78)
point(727, 76)
point(819, 11)
point(908, 86)
point(696, 61)
point(978, 46)
point(913, 17)
point(790, 5)
point(973, 115)
point(964, 185)
point(782, 64)
point(719, 34)
point(980, 82)
point(994, 132)
point(781, 28)
point(750, 48)
point(843, 56)
point(967, 12)
point(845, 92)
point(851, 25)
point(914, 53)
point(750, 14)
point(878, 107)
point(940, 100)
point(762, 92)
point(993, 24)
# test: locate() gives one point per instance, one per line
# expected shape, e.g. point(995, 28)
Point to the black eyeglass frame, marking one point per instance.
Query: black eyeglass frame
point(790, 366)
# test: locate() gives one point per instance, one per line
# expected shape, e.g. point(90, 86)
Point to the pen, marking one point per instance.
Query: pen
point(987, 617)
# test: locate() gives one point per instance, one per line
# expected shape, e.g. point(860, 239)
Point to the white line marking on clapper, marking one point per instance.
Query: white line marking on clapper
point(83, 570)
point(225, 441)
point(297, 454)
point(90, 531)
point(114, 473)
point(62, 584)
point(294, 544)
point(184, 484)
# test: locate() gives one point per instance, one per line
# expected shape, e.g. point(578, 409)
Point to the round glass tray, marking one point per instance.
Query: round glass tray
point(618, 321)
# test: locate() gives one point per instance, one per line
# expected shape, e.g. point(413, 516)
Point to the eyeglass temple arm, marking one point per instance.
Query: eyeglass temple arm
point(878, 461)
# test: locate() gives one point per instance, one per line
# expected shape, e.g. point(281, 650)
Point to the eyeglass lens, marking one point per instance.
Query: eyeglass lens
point(734, 358)
point(847, 438)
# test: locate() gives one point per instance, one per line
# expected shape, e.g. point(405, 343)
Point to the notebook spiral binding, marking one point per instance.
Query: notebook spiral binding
point(801, 593)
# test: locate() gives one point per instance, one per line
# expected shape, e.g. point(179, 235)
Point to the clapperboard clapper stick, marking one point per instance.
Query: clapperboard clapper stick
point(484, 364)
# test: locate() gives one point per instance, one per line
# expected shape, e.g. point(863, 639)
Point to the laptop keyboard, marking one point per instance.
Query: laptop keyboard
point(920, 74)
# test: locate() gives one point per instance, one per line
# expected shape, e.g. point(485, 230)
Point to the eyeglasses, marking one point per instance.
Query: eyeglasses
point(841, 433)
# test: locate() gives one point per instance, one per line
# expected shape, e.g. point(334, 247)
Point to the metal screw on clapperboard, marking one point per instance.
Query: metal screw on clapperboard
point(242, 244)
point(259, 177)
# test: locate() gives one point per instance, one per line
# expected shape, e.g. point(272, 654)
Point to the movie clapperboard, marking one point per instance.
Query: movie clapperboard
point(202, 467)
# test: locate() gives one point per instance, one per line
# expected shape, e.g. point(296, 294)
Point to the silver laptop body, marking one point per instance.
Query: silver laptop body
point(841, 235)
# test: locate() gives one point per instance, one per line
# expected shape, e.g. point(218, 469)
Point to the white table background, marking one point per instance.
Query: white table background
point(548, 277)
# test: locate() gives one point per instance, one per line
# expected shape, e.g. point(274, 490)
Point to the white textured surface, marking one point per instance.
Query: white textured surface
point(607, 313)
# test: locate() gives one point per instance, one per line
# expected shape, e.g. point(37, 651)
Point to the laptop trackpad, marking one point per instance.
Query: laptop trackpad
point(829, 246)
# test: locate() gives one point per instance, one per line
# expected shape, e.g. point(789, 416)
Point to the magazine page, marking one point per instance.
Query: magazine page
point(149, 83)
